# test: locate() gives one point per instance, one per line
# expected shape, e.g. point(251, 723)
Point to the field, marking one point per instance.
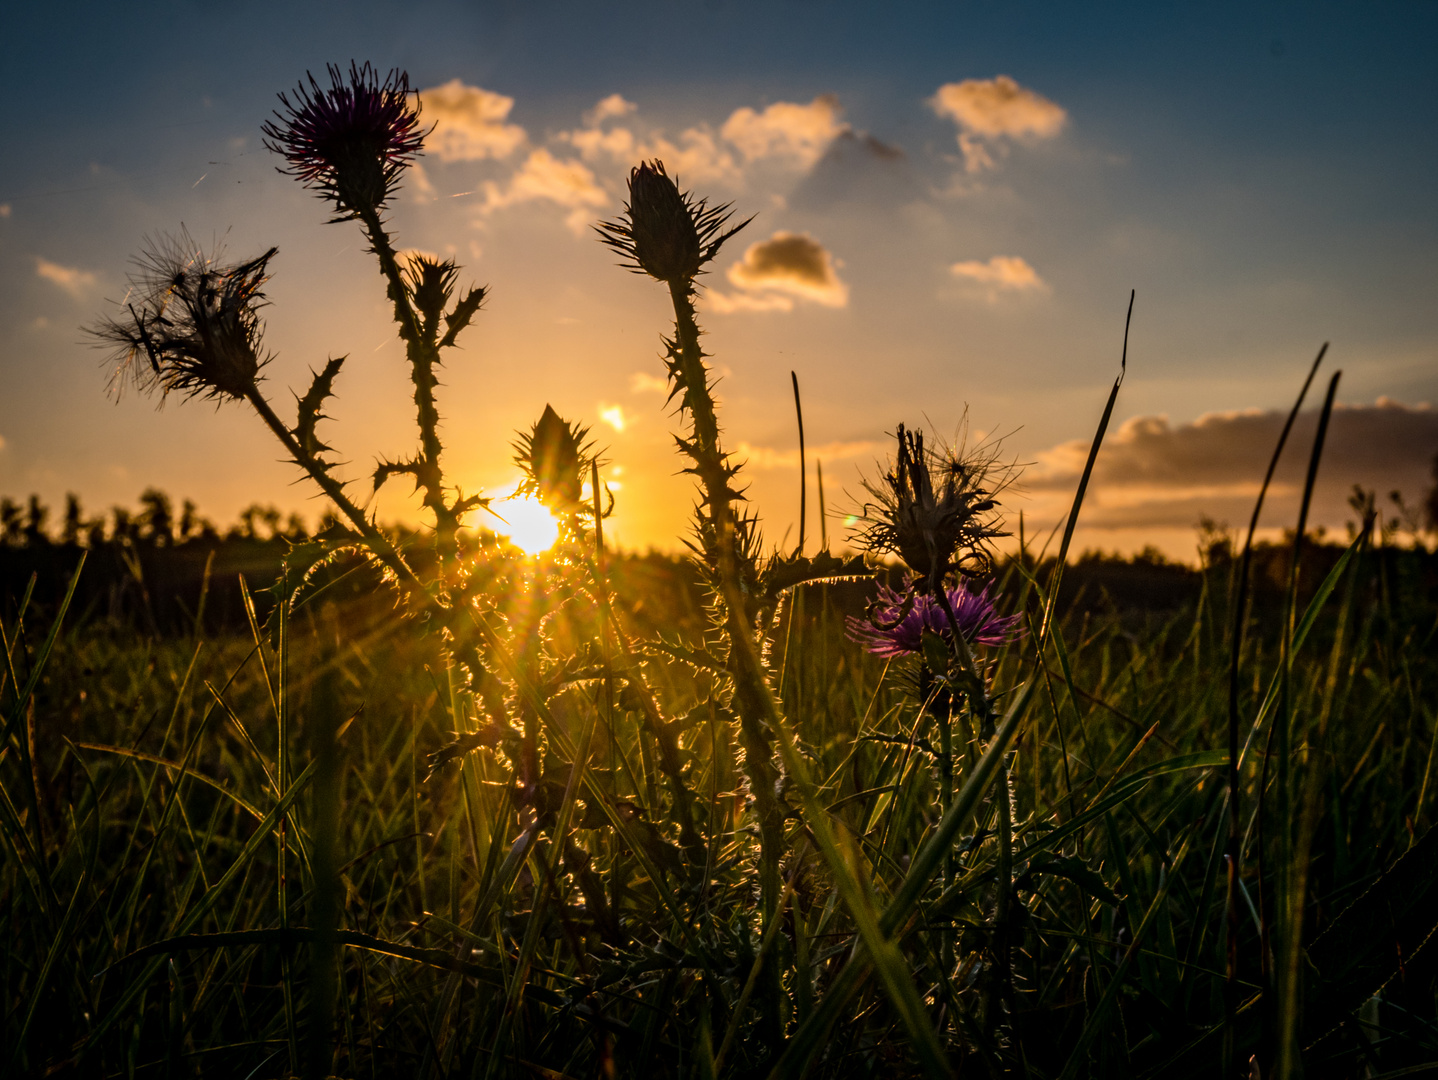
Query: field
point(199, 881)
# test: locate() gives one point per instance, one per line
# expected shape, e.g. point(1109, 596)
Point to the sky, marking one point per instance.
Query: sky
point(951, 205)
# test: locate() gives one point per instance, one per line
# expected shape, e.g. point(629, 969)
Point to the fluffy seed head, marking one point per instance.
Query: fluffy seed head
point(934, 509)
point(189, 323)
point(352, 141)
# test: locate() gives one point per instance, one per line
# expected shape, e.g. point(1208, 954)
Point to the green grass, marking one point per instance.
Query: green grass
point(171, 806)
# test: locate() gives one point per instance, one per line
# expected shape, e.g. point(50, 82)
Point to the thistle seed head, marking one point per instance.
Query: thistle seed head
point(352, 141)
point(190, 324)
point(934, 509)
point(666, 233)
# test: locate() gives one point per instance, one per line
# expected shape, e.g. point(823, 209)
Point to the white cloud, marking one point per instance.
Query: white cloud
point(1000, 274)
point(614, 416)
point(786, 129)
point(469, 123)
point(72, 279)
point(543, 177)
point(641, 382)
point(727, 303)
point(995, 109)
point(607, 109)
point(792, 264)
point(786, 132)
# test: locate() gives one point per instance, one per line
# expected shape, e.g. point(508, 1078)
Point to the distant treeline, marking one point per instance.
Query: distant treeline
point(174, 572)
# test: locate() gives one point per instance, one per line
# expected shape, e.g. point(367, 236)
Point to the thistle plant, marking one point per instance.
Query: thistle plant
point(934, 507)
point(671, 236)
point(192, 325)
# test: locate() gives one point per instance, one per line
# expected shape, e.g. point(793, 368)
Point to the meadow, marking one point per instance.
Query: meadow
point(414, 802)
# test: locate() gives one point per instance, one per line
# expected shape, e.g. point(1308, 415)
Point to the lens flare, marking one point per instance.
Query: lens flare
point(527, 524)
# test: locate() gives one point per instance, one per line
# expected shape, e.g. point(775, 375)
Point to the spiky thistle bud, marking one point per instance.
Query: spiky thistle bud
point(352, 141)
point(191, 325)
point(666, 233)
point(553, 456)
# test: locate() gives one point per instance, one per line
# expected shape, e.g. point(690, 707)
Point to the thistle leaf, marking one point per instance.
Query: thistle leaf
point(460, 317)
point(321, 388)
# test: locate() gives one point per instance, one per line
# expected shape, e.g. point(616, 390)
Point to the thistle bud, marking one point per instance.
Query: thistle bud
point(553, 457)
point(666, 233)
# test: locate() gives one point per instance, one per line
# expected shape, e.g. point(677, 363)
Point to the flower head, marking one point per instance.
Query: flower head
point(553, 456)
point(352, 141)
point(192, 325)
point(666, 233)
point(934, 508)
point(895, 622)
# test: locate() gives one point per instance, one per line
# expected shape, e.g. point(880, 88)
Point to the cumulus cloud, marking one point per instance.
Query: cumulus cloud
point(543, 177)
point(695, 155)
point(608, 108)
point(1154, 474)
point(786, 129)
point(989, 110)
point(787, 133)
point(727, 303)
point(1000, 274)
point(470, 123)
point(641, 382)
point(614, 416)
point(790, 264)
point(72, 279)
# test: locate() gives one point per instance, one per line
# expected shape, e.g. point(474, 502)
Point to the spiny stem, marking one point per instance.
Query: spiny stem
point(423, 354)
point(375, 540)
point(722, 551)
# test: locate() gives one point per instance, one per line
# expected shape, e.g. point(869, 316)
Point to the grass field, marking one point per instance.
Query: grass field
point(197, 882)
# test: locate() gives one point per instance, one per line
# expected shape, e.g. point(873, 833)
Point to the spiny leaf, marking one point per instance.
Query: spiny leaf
point(321, 388)
point(460, 317)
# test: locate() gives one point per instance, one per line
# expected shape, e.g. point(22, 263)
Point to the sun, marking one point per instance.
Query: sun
point(527, 524)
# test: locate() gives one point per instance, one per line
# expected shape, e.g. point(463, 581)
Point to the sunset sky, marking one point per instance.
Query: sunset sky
point(953, 202)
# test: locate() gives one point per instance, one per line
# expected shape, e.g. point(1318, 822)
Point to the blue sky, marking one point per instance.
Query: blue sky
point(1262, 175)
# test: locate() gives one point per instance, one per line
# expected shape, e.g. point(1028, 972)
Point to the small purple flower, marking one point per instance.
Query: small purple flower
point(351, 141)
point(895, 623)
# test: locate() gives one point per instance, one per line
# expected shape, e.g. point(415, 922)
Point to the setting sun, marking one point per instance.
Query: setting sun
point(526, 523)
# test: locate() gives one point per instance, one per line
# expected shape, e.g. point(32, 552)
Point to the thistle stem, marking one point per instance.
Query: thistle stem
point(422, 351)
point(375, 540)
point(723, 553)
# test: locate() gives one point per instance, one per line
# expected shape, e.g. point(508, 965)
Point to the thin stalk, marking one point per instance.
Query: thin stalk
point(803, 474)
point(1233, 855)
point(1293, 875)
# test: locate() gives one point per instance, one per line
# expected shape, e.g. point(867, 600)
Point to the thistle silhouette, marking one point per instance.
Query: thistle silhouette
point(351, 142)
point(194, 326)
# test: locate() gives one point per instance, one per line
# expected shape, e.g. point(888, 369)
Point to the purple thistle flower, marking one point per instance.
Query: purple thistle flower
point(352, 141)
point(895, 622)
